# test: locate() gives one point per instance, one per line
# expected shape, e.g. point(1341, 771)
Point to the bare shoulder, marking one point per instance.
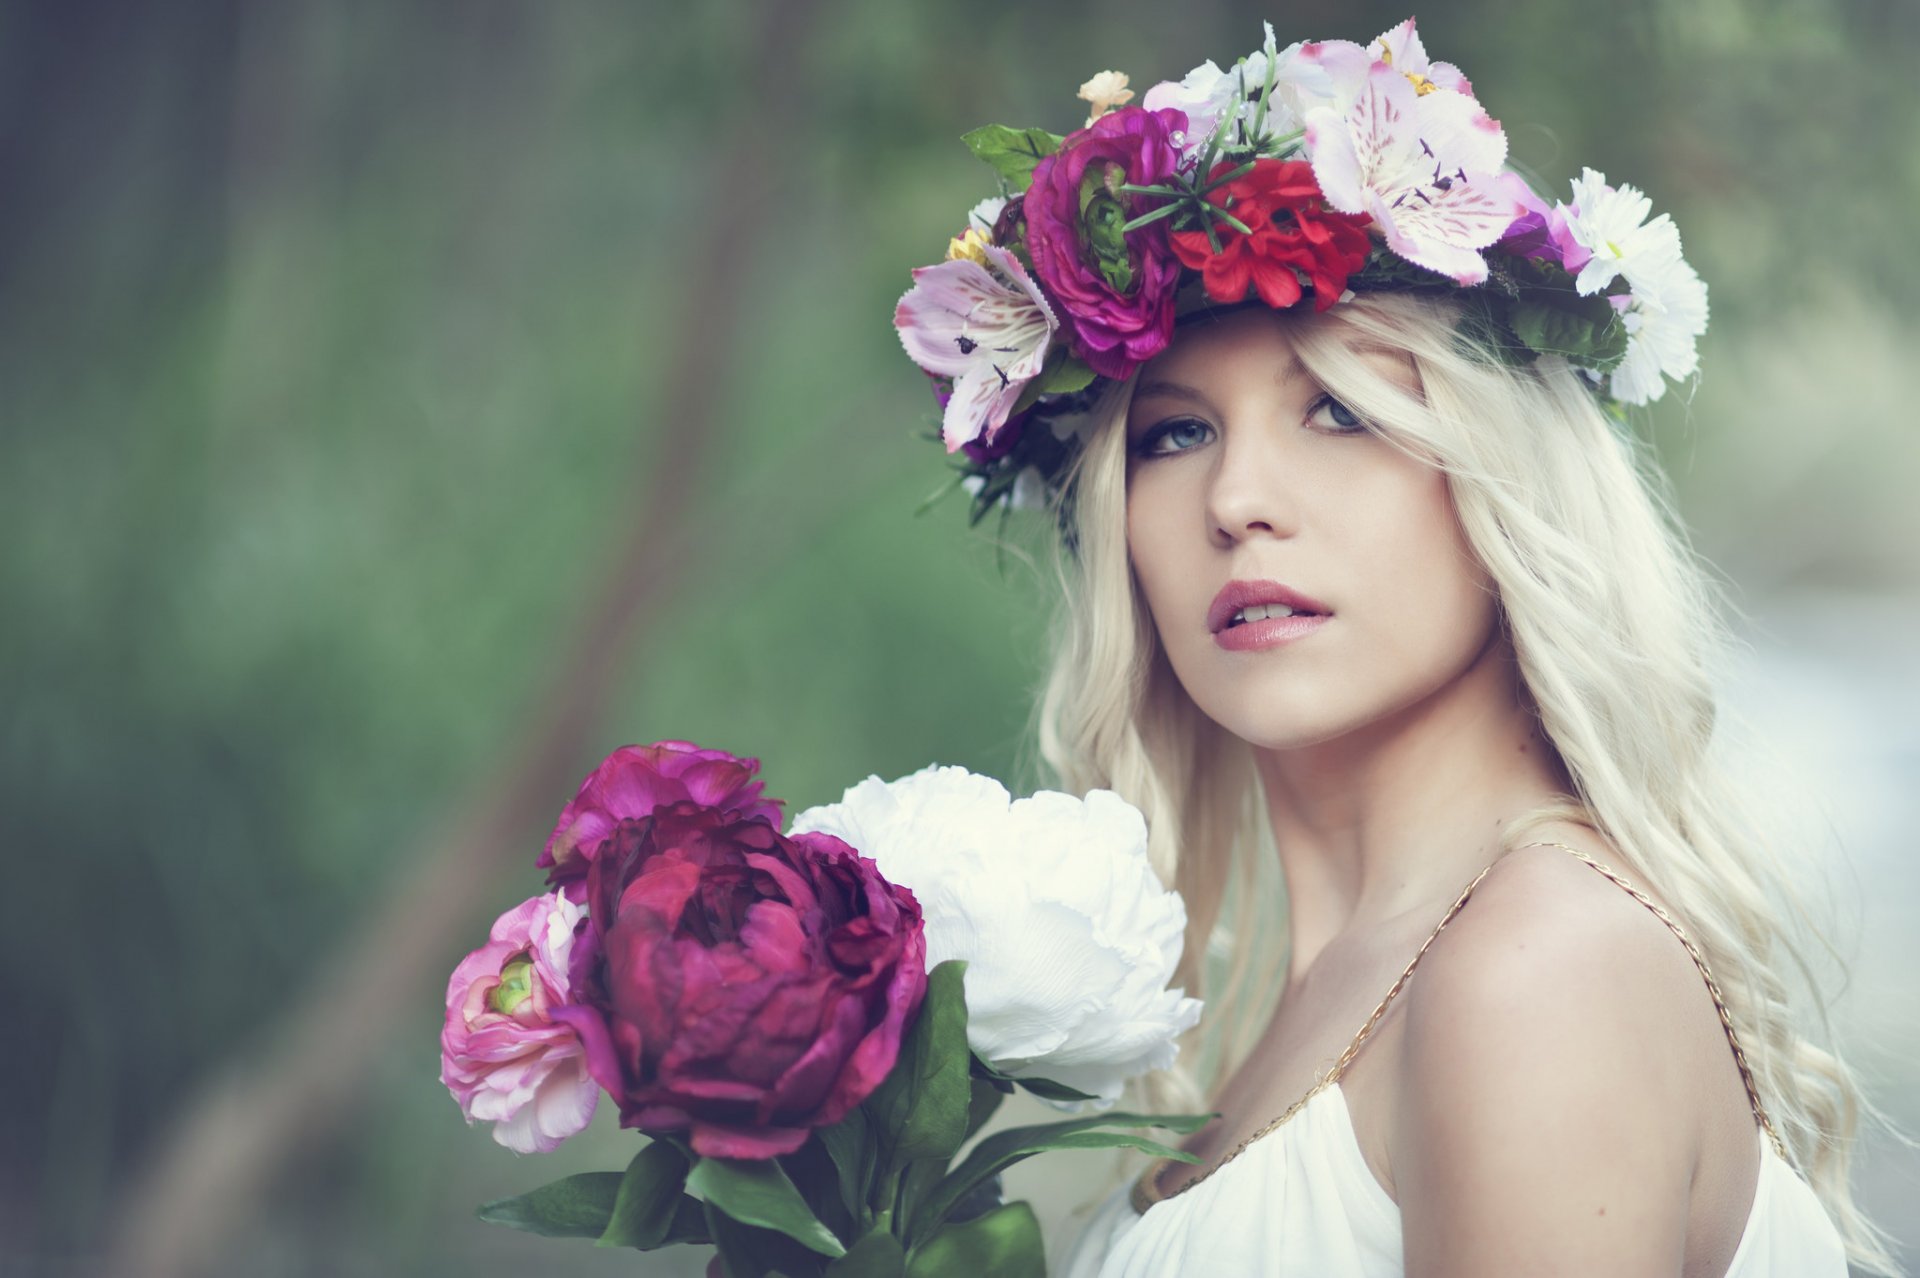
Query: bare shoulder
point(1543, 917)
point(1544, 1106)
point(1551, 963)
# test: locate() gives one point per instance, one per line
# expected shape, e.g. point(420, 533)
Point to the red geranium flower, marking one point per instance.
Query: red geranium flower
point(1293, 230)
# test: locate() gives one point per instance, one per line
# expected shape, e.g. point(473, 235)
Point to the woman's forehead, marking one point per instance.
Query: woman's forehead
point(1261, 343)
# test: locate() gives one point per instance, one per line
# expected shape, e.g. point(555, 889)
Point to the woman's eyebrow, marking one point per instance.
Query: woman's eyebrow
point(1176, 390)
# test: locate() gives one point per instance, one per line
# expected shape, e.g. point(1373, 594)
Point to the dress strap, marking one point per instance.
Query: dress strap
point(1147, 1191)
point(1713, 988)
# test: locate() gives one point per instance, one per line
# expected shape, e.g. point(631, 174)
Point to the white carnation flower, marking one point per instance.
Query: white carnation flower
point(1069, 936)
point(1207, 93)
point(1611, 224)
point(1661, 338)
point(1029, 490)
point(986, 213)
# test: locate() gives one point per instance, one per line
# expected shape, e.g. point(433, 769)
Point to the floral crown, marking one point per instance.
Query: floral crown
point(1302, 174)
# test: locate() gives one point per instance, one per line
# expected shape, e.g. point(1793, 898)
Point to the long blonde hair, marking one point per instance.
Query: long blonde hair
point(1619, 634)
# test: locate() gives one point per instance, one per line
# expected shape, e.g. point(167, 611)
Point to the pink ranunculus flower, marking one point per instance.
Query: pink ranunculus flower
point(751, 986)
point(1112, 292)
point(502, 1054)
point(633, 781)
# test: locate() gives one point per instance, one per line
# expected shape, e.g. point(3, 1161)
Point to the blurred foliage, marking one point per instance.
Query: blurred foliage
point(328, 335)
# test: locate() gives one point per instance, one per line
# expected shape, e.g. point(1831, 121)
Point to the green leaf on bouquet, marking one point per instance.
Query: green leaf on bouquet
point(982, 1105)
point(921, 1108)
point(978, 1201)
point(878, 1255)
point(650, 1195)
point(1013, 153)
point(1005, 1243)
point(748, 1252)
point(1047, 1089)
point(755, 1191)
point(1062, 374)
point(1586, 329)
point(689, 1224)
point(813, 1172)
point(1003, 1149)
point(573, 1207)
point(850, 1144)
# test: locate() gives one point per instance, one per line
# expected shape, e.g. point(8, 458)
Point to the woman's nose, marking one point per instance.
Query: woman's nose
point(1249, 492)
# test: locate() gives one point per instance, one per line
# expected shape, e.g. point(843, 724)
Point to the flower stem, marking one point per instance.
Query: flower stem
point(958, 478)
point(1165, 210)
point(1225, 178)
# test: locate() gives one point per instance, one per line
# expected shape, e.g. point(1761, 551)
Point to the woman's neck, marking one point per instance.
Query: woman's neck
point(1398, 815)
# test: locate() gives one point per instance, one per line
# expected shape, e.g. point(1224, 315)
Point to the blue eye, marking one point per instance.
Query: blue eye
point(1335, 417)
point(1176, 436)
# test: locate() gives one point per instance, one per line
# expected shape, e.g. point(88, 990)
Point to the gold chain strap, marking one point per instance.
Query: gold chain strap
point(1147, 1191)
point(1713, 988)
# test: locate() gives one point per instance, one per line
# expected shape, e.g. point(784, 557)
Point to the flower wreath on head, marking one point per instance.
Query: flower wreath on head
point(1303, 174)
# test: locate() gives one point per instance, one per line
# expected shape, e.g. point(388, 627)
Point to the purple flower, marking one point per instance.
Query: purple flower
point(634, 780)
point(1113, 289)
point(750, 987)
point(999, 444)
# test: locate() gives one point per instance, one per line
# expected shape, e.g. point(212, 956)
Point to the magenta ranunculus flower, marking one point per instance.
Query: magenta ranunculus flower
point(502, 1054)
point(633, 781)
point(1113, 292)
point(751, 986)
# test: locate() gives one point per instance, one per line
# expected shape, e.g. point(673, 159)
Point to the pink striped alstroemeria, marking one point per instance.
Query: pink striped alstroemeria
point(986, 325)
point(1423, 161)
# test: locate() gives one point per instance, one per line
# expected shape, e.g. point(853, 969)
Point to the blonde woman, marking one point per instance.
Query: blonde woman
point(1363, 582)
point(1479, 746)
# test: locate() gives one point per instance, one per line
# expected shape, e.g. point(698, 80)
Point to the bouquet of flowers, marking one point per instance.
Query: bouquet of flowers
point(811, 1025)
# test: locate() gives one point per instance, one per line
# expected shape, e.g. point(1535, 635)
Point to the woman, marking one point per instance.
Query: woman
point(1358, 567)
point(1489, 618)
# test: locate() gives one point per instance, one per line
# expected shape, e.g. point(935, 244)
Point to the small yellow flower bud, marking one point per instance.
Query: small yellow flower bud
point(1105, 92)
point(967, 245)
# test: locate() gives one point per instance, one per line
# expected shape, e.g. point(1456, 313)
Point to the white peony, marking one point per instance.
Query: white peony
point(1069, 936)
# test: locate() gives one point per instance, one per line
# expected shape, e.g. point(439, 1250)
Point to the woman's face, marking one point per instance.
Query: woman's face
point(1241, 469)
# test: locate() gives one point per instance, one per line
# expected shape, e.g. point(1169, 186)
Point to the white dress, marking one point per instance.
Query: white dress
point(1299, 1200)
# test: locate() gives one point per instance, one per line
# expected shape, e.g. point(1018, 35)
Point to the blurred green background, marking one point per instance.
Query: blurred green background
point(402, 404)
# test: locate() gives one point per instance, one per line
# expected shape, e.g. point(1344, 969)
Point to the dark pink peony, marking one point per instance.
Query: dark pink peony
point(633, 781)
point(750, 987)
point(1112, 292)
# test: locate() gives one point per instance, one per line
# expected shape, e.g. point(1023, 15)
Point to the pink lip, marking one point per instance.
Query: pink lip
point(1236, 595)
point(1268, 633)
